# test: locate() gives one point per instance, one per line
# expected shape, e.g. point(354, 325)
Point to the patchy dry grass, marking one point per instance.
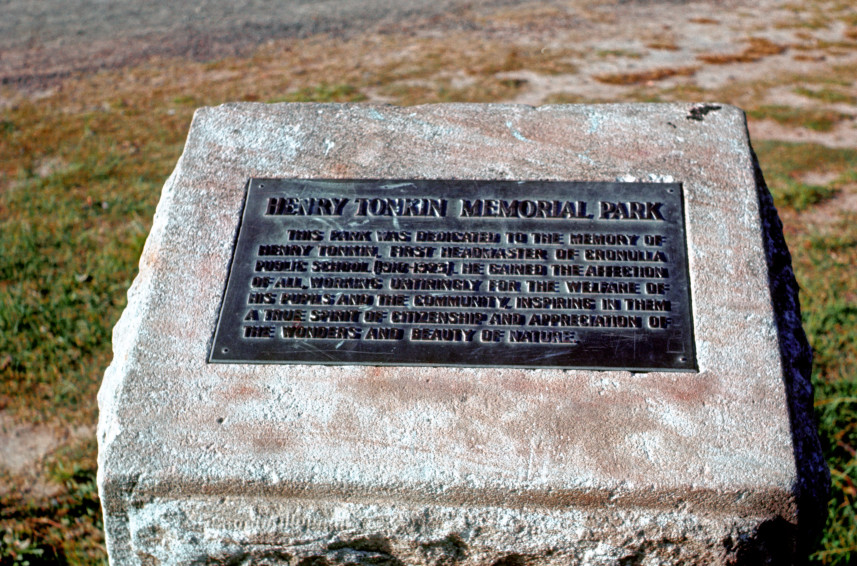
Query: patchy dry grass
point(473, 90)
point(819, 120)
point(648, 76)
point(705, 21)
point(323, 93)
point(663, 45)
point(757, 48)
point(63, 529)
point(565, 98)
point(618, 54)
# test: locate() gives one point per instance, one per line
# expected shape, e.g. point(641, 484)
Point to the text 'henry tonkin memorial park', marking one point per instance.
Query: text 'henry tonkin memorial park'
point(462, 334)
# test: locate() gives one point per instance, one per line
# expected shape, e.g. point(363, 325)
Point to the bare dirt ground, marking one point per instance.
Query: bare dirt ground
point(24, 449)
point(750, 53)
point(48, 40)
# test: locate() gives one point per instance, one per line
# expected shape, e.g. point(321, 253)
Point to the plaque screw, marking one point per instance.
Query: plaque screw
point(225, 350)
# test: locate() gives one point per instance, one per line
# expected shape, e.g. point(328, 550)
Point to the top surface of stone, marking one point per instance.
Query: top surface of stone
point(536, 436)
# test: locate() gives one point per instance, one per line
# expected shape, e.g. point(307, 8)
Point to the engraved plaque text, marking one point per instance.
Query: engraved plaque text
point(459, 273)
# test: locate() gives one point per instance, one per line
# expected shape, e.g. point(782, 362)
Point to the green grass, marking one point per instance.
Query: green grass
point(74, 213)
point(824, 257)
point(820, 120)
point(323, 93)
point(828, 95)
point(77, 195)
point(832, 327)
point(788, 162)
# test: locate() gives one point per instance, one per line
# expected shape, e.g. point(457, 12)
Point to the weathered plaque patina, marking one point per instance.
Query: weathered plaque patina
point(463, 273)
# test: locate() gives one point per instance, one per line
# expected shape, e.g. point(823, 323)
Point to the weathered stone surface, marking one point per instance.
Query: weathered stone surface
point(287, 464)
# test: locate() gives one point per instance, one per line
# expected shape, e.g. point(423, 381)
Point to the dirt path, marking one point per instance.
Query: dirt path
point(46, 40)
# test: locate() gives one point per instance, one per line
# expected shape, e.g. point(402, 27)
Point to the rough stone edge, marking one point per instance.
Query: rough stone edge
point(813, 482)
point(670, 538)
point(124, 338)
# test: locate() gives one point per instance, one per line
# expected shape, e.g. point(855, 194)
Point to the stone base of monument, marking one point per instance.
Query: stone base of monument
point(227, 438)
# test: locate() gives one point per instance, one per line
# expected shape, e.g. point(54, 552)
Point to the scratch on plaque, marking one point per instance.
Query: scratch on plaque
point(585, 158)
point(328, 222)
point(549, 356)
point(312, 348)
point(356, 223)
point(516, 133)
point(392, 186)
point(328, 145)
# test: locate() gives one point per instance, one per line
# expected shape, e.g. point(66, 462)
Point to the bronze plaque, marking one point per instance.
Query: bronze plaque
point(459, 273)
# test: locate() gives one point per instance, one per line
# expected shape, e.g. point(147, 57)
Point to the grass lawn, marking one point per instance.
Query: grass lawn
point(80, 175)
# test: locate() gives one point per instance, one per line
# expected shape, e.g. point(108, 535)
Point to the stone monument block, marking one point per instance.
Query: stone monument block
point(462, 334)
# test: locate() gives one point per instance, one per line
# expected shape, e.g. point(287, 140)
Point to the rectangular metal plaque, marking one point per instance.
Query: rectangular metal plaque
point(459, 273)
